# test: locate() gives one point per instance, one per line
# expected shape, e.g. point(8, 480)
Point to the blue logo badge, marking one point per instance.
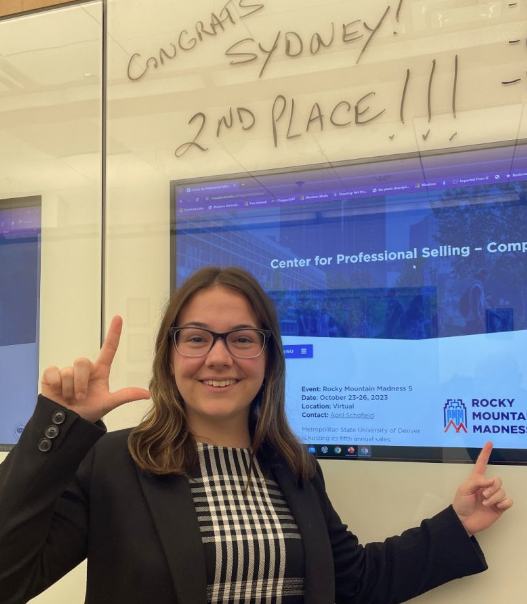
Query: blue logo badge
point(455, 415)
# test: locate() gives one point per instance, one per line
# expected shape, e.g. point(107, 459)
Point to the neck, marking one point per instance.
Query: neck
point(223, 442)
point(221, 434)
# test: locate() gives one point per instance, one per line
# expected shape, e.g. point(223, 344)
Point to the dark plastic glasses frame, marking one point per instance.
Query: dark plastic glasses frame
point(266, 333)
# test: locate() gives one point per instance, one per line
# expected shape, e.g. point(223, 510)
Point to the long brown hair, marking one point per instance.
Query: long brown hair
point(162, 443)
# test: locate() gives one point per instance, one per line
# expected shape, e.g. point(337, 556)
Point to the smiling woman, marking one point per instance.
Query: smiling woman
point(225, 396)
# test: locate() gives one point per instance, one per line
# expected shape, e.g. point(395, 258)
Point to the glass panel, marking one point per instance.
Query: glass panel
point(212, 95)
point(50, 199)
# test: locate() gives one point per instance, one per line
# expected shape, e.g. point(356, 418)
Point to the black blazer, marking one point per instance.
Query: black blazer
point(85, 497)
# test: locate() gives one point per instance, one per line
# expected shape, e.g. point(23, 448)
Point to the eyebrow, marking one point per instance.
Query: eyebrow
point(205, 326)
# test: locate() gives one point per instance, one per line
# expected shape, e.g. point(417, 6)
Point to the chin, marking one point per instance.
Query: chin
point(223, 411)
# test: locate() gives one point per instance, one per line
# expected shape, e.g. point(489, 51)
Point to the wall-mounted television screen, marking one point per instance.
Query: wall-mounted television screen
point(19, 314)
point(401, 289)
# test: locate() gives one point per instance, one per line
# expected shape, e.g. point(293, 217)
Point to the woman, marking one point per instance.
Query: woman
point(211, 498)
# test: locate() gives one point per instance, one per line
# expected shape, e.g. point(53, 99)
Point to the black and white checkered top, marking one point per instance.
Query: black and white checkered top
point(253, 549)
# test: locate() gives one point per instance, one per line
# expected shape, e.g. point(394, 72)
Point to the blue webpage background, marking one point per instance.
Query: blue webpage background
point(19, 310)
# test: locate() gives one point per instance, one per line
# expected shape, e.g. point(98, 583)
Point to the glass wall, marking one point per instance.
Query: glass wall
point(215, 93)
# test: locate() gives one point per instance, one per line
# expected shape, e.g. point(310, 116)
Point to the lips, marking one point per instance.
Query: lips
point(219, 383)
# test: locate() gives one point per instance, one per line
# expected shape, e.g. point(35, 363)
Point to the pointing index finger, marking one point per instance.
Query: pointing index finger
point(111, 343)
point(482, 461)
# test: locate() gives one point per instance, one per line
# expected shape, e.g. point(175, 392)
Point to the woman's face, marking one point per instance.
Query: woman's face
point(218, 388)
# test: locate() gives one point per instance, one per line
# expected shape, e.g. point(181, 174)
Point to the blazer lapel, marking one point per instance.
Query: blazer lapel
point(170, 501)
point(305, 507)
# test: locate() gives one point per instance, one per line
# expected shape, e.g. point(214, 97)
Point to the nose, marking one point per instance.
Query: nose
point(218, 354)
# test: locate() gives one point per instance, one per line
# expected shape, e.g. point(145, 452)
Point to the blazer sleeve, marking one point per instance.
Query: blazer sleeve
point(402, 567)
point(43, 502)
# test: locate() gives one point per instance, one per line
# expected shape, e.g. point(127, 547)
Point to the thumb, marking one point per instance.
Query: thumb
point(474, 484)
point(128, 395)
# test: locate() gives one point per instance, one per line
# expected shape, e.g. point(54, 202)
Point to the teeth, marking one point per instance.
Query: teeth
point(219, 384)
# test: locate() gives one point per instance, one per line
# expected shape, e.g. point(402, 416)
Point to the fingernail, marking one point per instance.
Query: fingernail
point(80, 396)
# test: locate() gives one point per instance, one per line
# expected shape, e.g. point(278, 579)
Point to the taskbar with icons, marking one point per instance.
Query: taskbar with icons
point(340, 451)
point(401, 453)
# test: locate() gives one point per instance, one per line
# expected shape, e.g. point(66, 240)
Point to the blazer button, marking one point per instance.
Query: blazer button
point(44, 445)
point(58, 417)
point(52, 431)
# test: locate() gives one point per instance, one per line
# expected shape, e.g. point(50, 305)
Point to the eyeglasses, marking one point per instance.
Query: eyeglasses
point(243, 343)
